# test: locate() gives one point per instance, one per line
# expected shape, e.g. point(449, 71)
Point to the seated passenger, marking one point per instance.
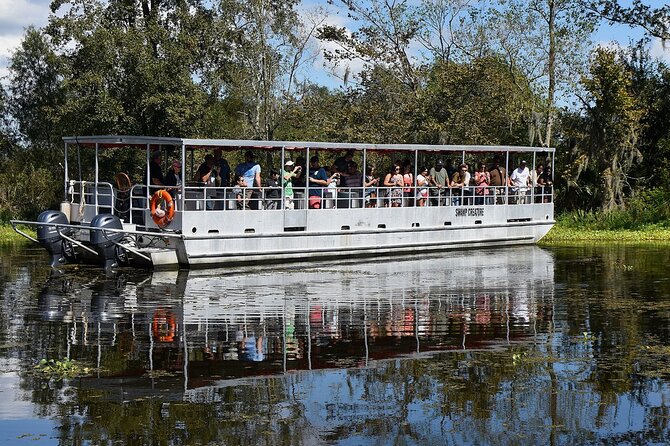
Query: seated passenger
point(239, 192)
point(173, 179)
point(422, 183)
point(272, 190)
point(352, 182)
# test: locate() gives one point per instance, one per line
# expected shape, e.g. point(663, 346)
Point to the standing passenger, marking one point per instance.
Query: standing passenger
point(439, 179)
point(290, 172)
point(318, 179)
point(394, 181)
point(370, 191)
point(520, 180)
point(457, 184)
point(498, 180)
point(251, 172)
point(422, 183)
point(482, 181)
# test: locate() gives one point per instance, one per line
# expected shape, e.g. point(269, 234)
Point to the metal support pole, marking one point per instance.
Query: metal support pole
point(507, 177)
point(67, 174)
point(306, 193)
point(182, 202)
point(281, 175)
point(532, 186)
point(97, 211)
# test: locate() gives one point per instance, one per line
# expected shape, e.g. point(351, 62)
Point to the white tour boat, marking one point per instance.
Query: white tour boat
point(107, 219)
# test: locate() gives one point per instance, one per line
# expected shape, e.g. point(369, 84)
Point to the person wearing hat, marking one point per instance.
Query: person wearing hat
point(173, 178)
point(520, 181)
point(289, 172)
point(438, 181)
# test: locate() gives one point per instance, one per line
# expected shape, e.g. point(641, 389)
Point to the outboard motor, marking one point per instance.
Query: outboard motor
point(105, 242)
point(48, 236)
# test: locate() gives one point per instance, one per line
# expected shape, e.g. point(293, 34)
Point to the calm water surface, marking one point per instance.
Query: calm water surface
point(499, 346)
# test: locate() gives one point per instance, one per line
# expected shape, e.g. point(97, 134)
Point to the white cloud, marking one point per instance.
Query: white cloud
point(15, 15)
point(8, 44)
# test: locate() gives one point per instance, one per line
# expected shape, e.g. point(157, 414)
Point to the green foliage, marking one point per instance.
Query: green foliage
point(648, 209)
point(60, 369)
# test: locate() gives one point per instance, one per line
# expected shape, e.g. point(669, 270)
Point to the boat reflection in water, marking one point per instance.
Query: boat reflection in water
point(260, 321)
point(319, 343)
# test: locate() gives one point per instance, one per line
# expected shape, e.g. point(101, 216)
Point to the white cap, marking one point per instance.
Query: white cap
point(289, 163)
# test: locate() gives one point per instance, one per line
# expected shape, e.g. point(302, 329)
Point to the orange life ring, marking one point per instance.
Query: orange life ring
point(164, 326)
point(162, 215)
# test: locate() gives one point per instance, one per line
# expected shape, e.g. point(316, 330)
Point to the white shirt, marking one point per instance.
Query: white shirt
point(520, 177)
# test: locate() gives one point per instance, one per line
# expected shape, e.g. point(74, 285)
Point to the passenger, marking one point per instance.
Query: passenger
point(439, 181)
point(394, 181)
point(352, 180)
point(223, 167)
point(272, 190)
point(422, 183)
point(520, 181)
point(239, 192)
point(467, 187)
point(204, 173)
point(457, 184)
point(498, 180)
point(156, 172)
point(451, 169)
point(370, 191)
point(251, 172)
point(173, 179)
point(299, 182)
point(290, 172)
point(408, 182)
point(548, 184)
point(341, 164)
point(320, 179)
point(482, 182)
point(537, 179)
point(205, 176)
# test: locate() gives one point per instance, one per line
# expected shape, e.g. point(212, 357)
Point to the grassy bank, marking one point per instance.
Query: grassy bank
point(560, 234)
point(8, 235)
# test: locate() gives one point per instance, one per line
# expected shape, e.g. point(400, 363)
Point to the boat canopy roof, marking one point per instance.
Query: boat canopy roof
point(230, 144)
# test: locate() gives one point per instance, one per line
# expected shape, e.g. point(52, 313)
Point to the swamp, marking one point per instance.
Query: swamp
point(527, 345)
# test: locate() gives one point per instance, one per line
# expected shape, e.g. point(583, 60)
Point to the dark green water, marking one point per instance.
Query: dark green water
point(500, 346)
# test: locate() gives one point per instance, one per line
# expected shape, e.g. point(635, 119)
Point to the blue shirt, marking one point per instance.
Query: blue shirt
point(248, 171)
point(317, 189)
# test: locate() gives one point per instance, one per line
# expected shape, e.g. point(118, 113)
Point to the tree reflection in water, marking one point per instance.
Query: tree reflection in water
point(526, 346)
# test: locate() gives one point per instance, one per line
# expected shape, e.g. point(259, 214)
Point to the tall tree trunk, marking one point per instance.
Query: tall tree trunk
point(551, 68)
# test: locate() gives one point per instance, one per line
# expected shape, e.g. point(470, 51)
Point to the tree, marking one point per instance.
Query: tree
point(609, 145)
point(544, 43)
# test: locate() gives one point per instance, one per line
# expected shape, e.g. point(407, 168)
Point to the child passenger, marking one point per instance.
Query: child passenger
point(238, 191)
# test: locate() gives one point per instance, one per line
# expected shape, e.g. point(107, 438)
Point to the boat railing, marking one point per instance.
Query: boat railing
point(206, 198)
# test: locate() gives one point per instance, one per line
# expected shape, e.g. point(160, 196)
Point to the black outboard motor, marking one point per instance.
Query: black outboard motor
point(104, 242)
point(47, 235)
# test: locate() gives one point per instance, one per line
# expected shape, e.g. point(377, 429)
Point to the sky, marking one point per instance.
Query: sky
point(17, 15)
